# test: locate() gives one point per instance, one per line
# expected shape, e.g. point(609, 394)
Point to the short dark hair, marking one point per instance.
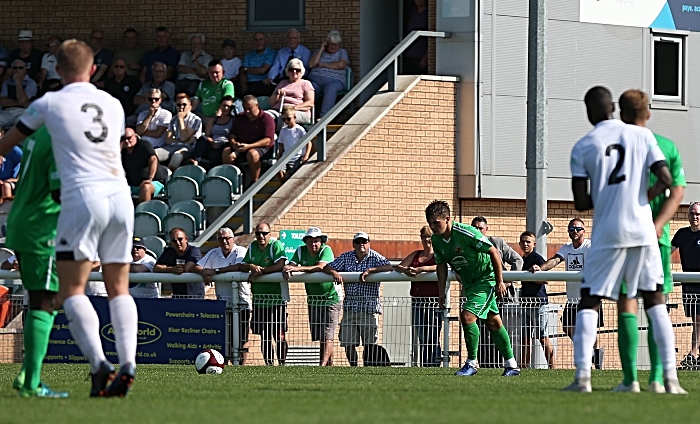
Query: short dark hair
point(438, 208)
point(479, 219)
point(599, 100)
point(577, 220)
point(214, 62)
point(528, 234)
point(130, 29)
point(161, 29)
point(226, 98)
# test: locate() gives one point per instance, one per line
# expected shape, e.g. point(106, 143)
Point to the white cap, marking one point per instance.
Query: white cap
point(315, 232)
point(25, 35)
point(360, 234)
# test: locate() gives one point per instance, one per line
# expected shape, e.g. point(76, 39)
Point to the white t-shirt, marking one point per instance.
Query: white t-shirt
point(162, 118)
point(48, 62)
point(191, 121)
point(145, 289)
point(289, 137)
point(231, 67)
point(86, 125)
point(215, 259)
point(574, 260)
point(616, 158)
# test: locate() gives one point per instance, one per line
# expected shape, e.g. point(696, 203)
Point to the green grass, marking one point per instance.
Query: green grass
point(176, 394)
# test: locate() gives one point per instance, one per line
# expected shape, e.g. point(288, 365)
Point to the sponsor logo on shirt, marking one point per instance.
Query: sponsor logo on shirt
point(458, 262)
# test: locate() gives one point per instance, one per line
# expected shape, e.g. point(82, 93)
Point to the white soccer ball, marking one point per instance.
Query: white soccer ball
point(209, 361)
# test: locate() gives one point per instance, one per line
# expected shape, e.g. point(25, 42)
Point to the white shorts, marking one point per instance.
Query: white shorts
point(639, 267)
point(99, 228)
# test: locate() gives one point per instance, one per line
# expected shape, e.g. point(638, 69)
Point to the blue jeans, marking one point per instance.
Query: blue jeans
point(426, 320)
point(329, 87)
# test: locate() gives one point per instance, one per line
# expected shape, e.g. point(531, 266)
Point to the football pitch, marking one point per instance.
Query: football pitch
point(177, 394)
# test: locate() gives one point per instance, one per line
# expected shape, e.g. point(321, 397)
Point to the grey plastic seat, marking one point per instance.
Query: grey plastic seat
point(155, 245)
point(157, 207)
point(147, 224)
point(192, 208)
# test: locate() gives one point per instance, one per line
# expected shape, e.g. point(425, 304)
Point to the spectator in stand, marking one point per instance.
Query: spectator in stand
point(415, 58)
point(4, 61)
point(16, 94)
point(508, 255)
point(131, 52)
point(256, 65)
point(164, 53)
point(426, 317)
point(192, 67)
point(328, 70)
point(103, 57)
point(47, 74)
point(212, 90)
point(208, 150)
point(269, 318)
point(152, 124)
point(362, 305)
point(180, 257)
point(9, 172)
point(143, 263)
point(184, 130)
point(252, 137)
point(293, 91)
point(232, 64)
point(293, 50)
point(290, 134)
point(140, 164)
point(122, 86)
point(167, 92)
point(323, 298)
point(27, 53)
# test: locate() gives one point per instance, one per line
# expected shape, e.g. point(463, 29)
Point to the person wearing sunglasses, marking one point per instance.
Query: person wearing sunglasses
point(290, 134)
point(293, 91)
point(122, 86)
point(140, 163)
point(183, 131)
point(16, 94)
point(159, 81)
point(179, 257)
point(152, 124)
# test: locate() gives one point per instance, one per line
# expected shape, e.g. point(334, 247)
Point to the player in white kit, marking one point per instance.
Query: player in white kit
point(96, 217)
point(616, 158)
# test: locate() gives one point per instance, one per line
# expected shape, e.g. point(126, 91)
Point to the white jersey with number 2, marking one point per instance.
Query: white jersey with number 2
point(616, 157)
point(86, 125)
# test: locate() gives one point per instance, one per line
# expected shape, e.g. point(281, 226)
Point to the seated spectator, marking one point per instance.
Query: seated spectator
point(152, 124)
point(122, 86)
point(143, 263)
point(192, 67)
point(256, 65)
point(27, 54)
point(184, 130)
point(293, 50)
point(10, 264)
point(9, 172)
point(164, 53)
point(131, 52)
point(167, 92)
point(231, 63)
point(140, 164)
point(294, 91)
point(212, 90)
point(290, 135)
point(103, 58)
point(252, 137)
point(180, 257)
point(328, 70)
point(208, 150)
point(96, 288)
point(47, 74)
point(16, 94)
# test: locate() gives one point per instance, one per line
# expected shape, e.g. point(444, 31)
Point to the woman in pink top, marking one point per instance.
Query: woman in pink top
point(294, 91)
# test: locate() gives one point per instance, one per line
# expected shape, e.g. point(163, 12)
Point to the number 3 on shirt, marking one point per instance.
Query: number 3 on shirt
point(614, 177)
point(98, 119)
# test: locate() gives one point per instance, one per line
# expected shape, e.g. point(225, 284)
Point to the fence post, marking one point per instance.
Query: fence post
point(321, 145)
point(446, 328)
point(235, 322)
point(248, 217)
point(393, 73)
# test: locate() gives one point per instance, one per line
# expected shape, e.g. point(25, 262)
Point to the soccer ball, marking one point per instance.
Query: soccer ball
point(209, 361)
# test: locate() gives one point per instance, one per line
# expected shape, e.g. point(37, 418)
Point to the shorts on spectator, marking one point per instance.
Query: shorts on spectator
point(157, 188)
point(323, 321)
point(568, 316)
point(358, 325)
point(535, 321)
point(264, 152)
point(292, 167)
point(269, 320)
point(691, 300)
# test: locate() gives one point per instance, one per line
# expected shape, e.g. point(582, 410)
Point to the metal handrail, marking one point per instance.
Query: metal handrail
point(389, 62)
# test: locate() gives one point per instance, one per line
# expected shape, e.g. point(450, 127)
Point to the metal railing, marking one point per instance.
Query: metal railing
point(245, 202)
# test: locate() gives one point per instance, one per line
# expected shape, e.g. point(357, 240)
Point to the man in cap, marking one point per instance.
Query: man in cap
point(27, 53)
point(143, 263)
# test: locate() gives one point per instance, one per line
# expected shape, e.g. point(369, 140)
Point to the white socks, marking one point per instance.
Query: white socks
point(584, 339)
point(511, 363)
point(84, 326)
point(665, 339)
point(122, 311)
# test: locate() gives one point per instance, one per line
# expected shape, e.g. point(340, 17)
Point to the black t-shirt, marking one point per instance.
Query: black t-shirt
point(33, 62)
point(688, 244)
point(192, 254)
point(531, 289)
point(137, 165)
point(124, 91)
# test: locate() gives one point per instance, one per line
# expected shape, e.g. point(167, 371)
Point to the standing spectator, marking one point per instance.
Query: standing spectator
point(140, 164)
point(687, 241)
point(152, 124)
point(362, 305)
point(426, 317)
point(167, 93)
point(329, 70)
point(180, 257)
point(533, 299)
point(192, 67)
point(323, 298)
point(122, 86)
point(208, 149)
point(16, 94)
point(131, 52)
point(293, 50)
point(508, 255)
point(47, 74)
point(232, 64)
point(290, 134)
point(143, 263)
point(293, 91)
point(184, 130)
point(212, 90)
point(103, 57)
point(27, 53)
point(256, 65)
point(269, 318)
point(415, 58)
point(164, 53)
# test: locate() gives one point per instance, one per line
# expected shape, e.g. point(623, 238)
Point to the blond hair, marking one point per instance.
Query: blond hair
point(289, 108)
point(74, 58)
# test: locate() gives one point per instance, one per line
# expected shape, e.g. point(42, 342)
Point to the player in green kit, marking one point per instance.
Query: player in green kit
point(478, 264)
point(31, 233)
point(634, 110)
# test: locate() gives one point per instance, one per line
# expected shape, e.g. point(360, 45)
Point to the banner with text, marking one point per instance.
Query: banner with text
point(657, 14)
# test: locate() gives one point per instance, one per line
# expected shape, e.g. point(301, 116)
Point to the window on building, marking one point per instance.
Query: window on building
point(668, 76)
point(275, 14)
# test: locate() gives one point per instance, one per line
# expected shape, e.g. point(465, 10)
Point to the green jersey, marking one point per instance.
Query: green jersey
point(210, 95)
point(267, 294)
point(467, 252)
point(31, 225)
point(320, 294)
point(675, 165)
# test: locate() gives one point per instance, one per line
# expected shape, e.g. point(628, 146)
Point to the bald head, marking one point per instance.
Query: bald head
point(599, 104)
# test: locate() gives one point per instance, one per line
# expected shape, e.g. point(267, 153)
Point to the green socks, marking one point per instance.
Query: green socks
point(471, 339)
point(657, 369)
point(37, 330)
point(502, 341)
point(628, 340)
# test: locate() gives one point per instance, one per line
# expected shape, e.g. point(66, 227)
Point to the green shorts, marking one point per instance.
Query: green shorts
point(38, 272)
point(480, 300)
point(668, 274)
point(157, 188)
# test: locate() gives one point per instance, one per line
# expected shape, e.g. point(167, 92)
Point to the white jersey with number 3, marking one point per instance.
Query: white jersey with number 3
point(86, 125)
point(616, 157)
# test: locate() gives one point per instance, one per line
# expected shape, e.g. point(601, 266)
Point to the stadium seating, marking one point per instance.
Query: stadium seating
point(192, 208)
point(195, 172)
point(155, 245)
point(223, 185)
point(264, 103)
point(181, 220)
point(182, 188)
point(147, 224)
point(157, 207)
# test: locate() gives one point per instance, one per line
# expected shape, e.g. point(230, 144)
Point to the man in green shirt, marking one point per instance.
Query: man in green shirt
point(31, 233)
point(269, 317)
point(323, 298)
point(634, 110)
point(212, 90)
point(478, 264)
